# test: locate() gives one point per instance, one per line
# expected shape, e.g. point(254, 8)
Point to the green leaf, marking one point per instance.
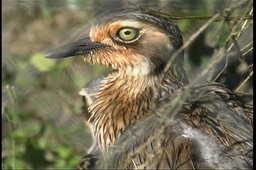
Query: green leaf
point(64, 152)
point(41, 63)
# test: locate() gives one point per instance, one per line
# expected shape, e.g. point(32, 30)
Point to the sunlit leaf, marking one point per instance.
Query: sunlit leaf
point(41, 63)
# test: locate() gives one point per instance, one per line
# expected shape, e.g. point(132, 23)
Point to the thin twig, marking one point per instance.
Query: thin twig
point(180, 17)
point(188, 42)
point(247, 78)
point(233, 37)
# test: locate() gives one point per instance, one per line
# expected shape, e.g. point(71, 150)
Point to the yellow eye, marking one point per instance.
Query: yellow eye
point(128, 34)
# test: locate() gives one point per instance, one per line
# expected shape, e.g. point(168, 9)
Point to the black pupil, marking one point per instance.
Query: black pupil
point(127, 32)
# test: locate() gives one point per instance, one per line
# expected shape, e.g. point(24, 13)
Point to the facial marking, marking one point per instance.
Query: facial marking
point(134, 57)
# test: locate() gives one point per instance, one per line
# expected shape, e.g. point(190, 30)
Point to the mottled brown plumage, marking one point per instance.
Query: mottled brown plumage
point(132, 111)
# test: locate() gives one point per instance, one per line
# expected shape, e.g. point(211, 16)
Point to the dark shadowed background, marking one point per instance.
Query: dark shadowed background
point(41, 109)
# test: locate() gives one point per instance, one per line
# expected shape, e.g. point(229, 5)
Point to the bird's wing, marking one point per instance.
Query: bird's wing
point(221, 123)
point(212, 129)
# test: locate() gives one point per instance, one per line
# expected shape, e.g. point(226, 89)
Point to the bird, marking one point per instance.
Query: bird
point(145, 115)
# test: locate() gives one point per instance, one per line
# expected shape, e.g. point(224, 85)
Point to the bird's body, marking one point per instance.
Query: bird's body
point(211, 129)
point(203, 135)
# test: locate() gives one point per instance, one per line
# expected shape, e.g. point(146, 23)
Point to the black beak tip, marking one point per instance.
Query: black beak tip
point(77, 48)
point(52, 55)
point(48, 55)
point(60, 53)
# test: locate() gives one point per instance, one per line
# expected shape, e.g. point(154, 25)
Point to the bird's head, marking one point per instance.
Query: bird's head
point(133, 41)
point(137, 45)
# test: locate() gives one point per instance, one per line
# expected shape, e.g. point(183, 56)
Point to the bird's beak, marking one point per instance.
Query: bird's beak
point(74, 49)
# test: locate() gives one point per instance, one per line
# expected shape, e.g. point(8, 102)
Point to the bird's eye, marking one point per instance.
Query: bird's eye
point(128, 34)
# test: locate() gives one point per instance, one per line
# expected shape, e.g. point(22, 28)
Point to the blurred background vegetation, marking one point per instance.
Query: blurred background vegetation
point(41, 109)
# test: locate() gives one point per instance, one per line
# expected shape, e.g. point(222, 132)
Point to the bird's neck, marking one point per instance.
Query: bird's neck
point(122, 99)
